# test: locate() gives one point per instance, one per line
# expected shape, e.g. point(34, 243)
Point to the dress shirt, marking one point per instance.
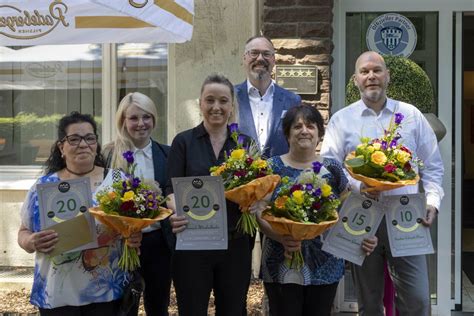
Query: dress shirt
point(144, 159)
point(261, 111)
point(191, 154)
point(348, 125)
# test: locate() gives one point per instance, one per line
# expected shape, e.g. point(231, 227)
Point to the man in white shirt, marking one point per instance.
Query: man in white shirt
point(369, 117)
point(262, 103)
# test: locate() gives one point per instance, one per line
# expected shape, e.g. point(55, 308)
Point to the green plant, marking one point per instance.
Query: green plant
point(408, 83)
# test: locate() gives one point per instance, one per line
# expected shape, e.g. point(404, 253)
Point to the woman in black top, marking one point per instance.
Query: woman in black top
point(193, 152)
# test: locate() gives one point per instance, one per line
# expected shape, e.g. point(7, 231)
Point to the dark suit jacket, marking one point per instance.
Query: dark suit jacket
point(282, 100)
point(160, 158)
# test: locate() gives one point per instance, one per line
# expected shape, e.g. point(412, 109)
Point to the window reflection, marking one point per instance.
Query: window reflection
point(38, 85)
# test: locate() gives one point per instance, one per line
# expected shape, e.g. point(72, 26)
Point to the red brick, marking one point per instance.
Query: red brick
point(306, 30)
point(280, 30)
point(297, 14)
point(279, 3)
point(316, 2)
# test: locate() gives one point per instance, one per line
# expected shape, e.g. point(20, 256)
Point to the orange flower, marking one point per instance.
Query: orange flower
point(280, 202)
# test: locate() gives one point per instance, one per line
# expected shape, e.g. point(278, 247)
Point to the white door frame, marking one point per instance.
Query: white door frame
point(445, 9)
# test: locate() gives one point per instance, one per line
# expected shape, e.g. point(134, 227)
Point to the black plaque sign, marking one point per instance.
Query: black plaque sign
point(299, 79)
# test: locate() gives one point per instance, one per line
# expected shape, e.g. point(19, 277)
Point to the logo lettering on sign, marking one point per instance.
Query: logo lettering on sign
point(391, 34)
point(135, 4)
point(24, 25)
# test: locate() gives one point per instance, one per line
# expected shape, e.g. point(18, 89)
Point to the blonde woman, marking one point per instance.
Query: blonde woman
point(135, 121)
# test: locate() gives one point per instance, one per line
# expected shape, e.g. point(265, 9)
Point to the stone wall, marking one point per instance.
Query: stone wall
point(301, 31)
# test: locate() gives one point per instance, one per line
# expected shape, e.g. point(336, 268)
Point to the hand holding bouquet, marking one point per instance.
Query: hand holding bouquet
point(127, 207)
point(247, 178)
point(384, 163)
point(303, 209)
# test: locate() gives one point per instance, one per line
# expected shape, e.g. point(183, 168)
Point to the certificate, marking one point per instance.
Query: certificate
point(360, 219)
point(406, 234)
point(202, 201)
point(63, 207)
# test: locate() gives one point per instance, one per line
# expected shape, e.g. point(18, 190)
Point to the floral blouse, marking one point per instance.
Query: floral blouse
point(75, 278)
point(319, 267)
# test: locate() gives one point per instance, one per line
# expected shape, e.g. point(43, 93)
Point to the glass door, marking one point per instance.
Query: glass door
point(436, 26)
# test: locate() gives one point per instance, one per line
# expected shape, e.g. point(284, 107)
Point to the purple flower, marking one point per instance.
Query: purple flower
point(393, 143)
point(128, 155)
point(317, 192)
point(398, 118)
point(234, 127)
point(317, 166)
point(308, 186)
point(384, 145)
point(240, 140)
point(135, 182)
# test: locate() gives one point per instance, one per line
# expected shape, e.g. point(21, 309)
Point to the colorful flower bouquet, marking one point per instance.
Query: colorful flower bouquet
point(303, 209)
point(127, 207)
point(384, 163)
point(247, 178)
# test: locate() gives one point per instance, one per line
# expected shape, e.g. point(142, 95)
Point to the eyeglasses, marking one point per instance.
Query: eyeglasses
point(146, 118)
point(254, 53)
point(75, 140)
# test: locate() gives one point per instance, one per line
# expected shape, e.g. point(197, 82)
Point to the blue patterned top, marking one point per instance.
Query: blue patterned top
point(319, 267)
point(75, 278)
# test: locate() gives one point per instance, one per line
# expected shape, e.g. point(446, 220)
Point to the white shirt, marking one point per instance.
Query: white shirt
point(349, 124)
point(261, 107)
point(144, 159)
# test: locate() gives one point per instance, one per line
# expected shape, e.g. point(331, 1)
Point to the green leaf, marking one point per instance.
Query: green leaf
point(355, 162)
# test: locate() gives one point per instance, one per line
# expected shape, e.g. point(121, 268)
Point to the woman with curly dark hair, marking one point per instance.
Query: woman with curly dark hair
point(86, 282)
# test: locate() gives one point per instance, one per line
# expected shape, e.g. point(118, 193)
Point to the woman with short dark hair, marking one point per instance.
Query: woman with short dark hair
point(308, 291)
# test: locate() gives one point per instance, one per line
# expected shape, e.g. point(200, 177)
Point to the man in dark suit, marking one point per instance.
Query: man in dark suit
point(262, 103)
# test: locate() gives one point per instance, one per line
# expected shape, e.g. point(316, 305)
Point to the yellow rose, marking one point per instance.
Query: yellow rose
point(111, 195)
point(378, 158)
point(326, 190)
point(128, 196)
point(259, 163)
point(238, 153)
point(403, 157)
point(370, 149)
point(218, 171)
point(298, 196)
point(376, 146)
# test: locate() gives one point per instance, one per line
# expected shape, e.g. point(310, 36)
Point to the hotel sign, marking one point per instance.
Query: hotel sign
point(299, 79)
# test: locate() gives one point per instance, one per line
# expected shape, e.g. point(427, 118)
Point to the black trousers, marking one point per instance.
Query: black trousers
point(298, 300)
point(94, 309)
point(155, 267)
point(226, 272)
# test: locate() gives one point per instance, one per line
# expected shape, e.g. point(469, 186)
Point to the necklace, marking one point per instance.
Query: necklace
point(80, 174)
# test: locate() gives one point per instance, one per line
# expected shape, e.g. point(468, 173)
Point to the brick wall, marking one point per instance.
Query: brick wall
point(301, 31)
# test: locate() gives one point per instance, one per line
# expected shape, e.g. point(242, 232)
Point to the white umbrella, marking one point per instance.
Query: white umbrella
point(43, 22)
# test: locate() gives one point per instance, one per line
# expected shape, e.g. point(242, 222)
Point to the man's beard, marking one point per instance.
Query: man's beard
point(261, 74)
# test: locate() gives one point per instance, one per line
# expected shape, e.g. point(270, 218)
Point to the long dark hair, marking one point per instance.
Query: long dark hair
point(55, 162)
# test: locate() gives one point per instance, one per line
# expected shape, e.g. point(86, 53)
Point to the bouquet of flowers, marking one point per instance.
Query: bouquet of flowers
point(247, 178)
point(384, 163)
point(303, 209)
point(127, 207)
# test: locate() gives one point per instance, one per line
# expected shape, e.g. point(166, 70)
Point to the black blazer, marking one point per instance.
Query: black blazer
point(160, 158)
